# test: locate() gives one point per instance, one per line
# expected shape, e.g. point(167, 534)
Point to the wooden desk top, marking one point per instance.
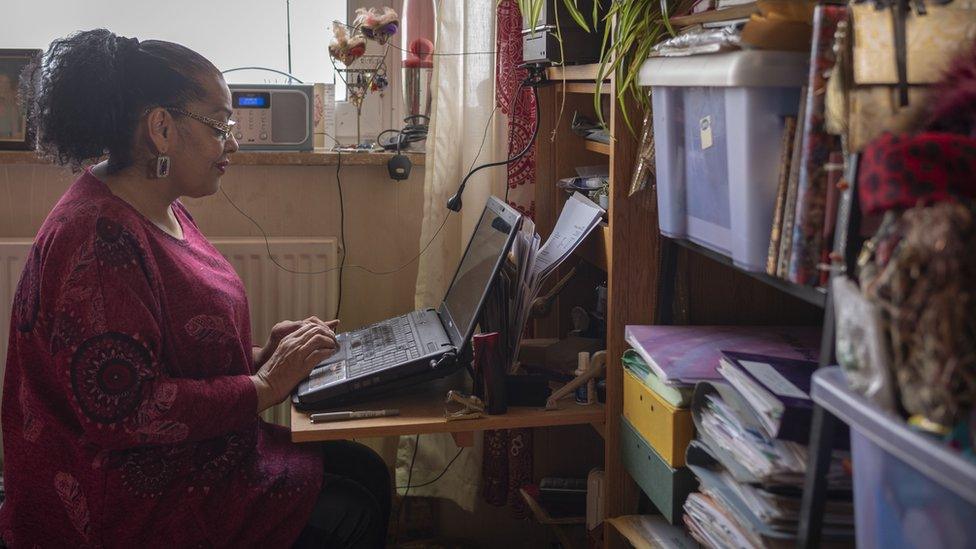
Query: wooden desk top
point(424, 413)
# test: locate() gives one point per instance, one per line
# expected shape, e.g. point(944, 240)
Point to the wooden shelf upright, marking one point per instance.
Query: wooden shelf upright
point(625, 251)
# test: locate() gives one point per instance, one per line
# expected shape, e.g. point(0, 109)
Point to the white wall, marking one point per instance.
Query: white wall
point(231, 33)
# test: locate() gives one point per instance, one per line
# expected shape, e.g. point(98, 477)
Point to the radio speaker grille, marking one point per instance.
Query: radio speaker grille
point(289, 106)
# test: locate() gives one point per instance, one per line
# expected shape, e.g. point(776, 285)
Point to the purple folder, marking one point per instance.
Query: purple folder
point(786, 380)
point(689, 354)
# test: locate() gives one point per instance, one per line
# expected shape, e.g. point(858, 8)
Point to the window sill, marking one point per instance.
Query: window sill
point(253, 158)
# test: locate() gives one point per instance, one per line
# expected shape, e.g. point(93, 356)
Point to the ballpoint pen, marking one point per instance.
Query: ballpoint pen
point(323, 417)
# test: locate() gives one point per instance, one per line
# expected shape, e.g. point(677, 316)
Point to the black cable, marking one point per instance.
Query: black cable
point(403, 501)
point(342, 229)
point(535, 133)
point(484, 138)
point(435, 479)
point(454, 203)
point(394, 46)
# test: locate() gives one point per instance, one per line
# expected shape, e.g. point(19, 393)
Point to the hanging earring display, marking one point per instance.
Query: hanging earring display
point(363, 74)
point(160, 168)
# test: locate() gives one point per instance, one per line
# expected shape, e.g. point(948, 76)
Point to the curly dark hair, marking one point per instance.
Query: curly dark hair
point(85, 95)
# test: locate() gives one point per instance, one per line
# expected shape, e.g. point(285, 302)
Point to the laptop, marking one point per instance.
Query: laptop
point(421, 345)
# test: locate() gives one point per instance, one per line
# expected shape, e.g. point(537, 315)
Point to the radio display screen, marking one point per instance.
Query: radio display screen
point(251, 100)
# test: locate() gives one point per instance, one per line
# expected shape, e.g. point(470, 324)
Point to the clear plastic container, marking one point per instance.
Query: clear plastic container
point(909, 491)
point(718, 131)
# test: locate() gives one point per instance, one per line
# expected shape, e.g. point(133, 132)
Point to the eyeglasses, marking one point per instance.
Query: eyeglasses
point(223, 129)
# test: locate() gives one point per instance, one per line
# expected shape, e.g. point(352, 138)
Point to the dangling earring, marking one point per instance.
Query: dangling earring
point(160, 168)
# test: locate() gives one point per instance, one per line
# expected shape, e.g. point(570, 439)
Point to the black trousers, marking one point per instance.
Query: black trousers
point(353, 508)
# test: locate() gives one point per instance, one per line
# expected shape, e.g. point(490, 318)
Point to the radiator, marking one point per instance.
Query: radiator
point(273, 293)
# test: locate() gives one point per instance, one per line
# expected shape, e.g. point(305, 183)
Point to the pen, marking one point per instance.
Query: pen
point(342, 416)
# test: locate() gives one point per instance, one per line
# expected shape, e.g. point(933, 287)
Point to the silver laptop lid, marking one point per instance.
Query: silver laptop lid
point(489, 244)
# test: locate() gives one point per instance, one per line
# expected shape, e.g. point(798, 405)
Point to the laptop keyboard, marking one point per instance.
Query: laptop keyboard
point(382, 345)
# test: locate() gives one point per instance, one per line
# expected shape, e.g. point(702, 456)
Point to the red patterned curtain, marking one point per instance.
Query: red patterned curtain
point(507, 463)
point(518, 104)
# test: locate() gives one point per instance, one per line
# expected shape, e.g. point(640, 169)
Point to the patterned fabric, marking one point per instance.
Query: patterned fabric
point(507, 463)
point(898, 172)
point(816, 145)
point(128, 415)
point(518, 104)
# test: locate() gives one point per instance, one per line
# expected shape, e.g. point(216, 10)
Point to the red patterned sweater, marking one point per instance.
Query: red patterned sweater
point(128, 415)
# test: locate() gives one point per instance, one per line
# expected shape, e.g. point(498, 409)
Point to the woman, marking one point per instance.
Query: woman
point(132, 391)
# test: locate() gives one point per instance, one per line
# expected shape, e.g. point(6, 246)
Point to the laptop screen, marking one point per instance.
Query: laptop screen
point(486, 250)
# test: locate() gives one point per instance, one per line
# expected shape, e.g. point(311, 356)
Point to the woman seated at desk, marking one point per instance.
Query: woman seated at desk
point(132, 390)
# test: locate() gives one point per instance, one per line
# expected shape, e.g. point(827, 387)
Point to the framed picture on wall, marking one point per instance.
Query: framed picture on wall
point(14, 134)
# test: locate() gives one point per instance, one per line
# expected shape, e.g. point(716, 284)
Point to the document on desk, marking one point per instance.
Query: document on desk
point(579, 216)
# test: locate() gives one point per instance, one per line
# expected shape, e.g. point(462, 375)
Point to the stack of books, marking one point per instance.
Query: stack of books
point(811, 166)
point(750, 456)
point(662, 368)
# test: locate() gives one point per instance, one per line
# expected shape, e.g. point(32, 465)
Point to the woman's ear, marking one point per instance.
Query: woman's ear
point(161, 128)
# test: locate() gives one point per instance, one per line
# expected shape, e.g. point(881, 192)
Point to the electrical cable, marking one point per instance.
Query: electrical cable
point(484, 138)
point(435, 479)
point(454, 203)
point(403, 500)
point(342, 229)
point(535, 133)
point(394, 46)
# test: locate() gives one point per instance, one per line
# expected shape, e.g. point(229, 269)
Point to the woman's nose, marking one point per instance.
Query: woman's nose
point(231, 145)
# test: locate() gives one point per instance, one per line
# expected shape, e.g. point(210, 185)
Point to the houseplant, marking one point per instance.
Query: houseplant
point(636, 26)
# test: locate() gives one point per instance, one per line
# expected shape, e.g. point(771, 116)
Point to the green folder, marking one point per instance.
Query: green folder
point(678, 396)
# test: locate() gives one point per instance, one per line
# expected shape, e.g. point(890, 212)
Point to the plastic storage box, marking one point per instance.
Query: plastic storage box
point(718, 133)
point(667, 429)
point(909, 491)
point(667, 487)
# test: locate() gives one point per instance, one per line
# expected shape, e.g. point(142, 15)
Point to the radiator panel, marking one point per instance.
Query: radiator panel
point(273, 294)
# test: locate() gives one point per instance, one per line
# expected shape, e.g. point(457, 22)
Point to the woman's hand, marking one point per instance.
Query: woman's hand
point(292, 361)
point(284, 328)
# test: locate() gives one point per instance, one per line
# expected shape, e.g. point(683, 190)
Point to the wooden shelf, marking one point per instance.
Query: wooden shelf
point(814, 296)
point(596, 248)
point(583, 87)
point(714, 16)
point(262, 158)
point(424, 413)
point(575, 72)
point(319, 158)
point(598, 147)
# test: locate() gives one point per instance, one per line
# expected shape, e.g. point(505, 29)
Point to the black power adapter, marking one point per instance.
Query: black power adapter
point(399, 167)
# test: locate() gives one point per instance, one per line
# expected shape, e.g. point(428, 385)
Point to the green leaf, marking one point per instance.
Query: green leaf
point(667, 18)
point(574, 12)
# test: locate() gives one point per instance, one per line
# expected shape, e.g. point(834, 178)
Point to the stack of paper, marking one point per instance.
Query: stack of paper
point(508, 306)
point(751, 479)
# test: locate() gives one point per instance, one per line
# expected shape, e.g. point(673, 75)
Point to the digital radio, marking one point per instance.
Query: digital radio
point(273, 117)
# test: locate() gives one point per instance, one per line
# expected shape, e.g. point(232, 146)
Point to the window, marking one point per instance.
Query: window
point(231, 33)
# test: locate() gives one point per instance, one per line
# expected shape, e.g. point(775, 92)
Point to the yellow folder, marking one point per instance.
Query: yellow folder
point(665, 428)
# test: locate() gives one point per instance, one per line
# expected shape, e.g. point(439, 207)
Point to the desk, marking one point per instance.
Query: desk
point(424, 413)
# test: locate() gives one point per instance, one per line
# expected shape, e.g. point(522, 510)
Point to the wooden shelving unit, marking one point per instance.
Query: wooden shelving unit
point(597, 147)
point(575, 72)
point(623, 253)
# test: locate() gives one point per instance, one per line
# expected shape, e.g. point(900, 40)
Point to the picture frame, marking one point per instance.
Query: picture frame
point(14, 133)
